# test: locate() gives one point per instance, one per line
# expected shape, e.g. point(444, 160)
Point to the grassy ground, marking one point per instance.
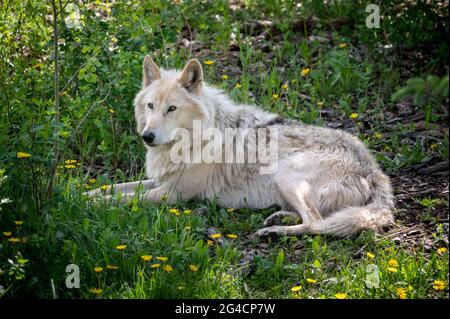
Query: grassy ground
point(313, 62)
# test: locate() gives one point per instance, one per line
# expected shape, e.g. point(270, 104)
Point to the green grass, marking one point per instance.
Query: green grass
point(284, 72)
point(87, 234)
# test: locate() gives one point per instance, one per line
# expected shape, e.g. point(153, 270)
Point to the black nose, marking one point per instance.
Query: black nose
point(148, 137)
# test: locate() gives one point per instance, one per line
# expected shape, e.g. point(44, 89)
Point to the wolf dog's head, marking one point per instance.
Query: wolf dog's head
point(169, 100)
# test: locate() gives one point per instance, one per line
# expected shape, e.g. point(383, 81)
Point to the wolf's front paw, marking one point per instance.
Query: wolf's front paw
point(99, 198)
point(93, 193)
point(98, 194)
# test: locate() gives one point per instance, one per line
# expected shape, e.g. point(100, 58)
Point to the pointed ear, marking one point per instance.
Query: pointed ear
point(192, 76)
point(151, 71)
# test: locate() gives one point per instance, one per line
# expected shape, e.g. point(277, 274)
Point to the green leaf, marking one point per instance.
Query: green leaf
point(22, 261)
point(317, 264)
point(279, 261)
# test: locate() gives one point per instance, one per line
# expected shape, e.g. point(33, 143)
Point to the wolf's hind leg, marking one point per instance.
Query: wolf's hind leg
point(276, 218)
point(297, 194)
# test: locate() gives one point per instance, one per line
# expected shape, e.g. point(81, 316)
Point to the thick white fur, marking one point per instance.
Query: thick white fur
point(327, 177)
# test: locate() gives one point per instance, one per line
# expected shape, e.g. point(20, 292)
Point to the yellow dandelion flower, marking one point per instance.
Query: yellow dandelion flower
point(14, 240)
point(209, 242)
point(354, 116)
point(216, 236)
point(193, 268)
point(146, 258)
point(401, 293)
point(167, 268)
point(112, 267)
point(305, 71)
point(104, 187)
point(440, 251)
point(433, 147)
point(340, 295)
point(96, 291)
point(238, 85)
point(7, 233)
point(98, 269)
point(23, 155)
point(438, 285)
point(296, 288)
point(92, 181)
point(70, 166)
point(70, 161)
point(285, 86)
point(155, 266)
point(232, 236)
point(370, 255)
point(224, 77)
point(392, 269)
point(320, 104)
point(187, 212)
point(378, 135)
point(112, 111)
point(121, 247)
point(162, 258)
point(311, 281)
point(275, 96)
point(230, 210)
point(393, 263)
point(342, 45)
point(18, 222)
point(174, 211)
point(208, 62)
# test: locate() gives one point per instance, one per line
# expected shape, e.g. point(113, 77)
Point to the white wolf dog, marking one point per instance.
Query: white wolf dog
point(326, 177)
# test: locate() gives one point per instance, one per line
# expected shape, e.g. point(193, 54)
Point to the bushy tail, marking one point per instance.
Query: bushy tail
point(351, 220)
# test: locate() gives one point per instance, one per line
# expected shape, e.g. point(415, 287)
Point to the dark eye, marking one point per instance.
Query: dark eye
point(171, 108)
point(150, 106)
